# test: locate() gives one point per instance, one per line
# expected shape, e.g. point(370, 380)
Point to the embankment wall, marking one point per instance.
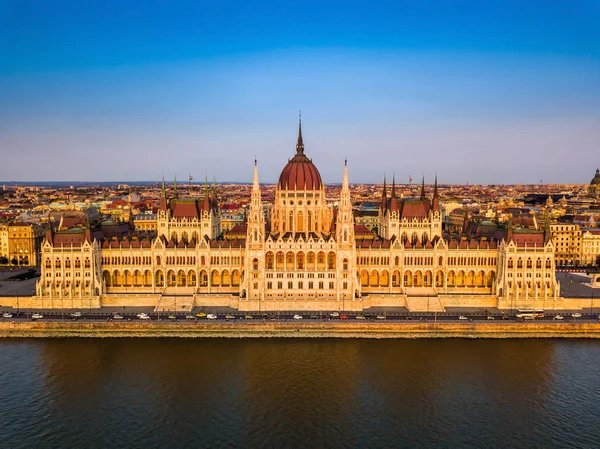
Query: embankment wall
point(337, 329)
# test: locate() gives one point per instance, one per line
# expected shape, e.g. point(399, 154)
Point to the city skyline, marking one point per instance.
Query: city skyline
point(500, 94)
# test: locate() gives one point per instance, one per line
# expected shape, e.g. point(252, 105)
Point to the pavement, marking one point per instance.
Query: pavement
point(16, 287)
point(574, 285)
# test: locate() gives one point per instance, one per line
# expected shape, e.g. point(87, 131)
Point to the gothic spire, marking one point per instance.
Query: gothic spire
point(175, 188)
point(384, 195)
point(423, 188)
point(435, 188)
point(300, 144)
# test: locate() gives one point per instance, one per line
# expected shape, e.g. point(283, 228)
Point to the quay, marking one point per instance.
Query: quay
point(308, 329)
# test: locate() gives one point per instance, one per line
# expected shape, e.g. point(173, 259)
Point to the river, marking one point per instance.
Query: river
point(312, 393)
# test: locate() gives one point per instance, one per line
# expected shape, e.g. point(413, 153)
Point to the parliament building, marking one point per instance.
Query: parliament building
point(300, 254)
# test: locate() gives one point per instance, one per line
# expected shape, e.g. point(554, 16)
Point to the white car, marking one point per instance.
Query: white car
point(360, 317)
point(37, 316)
point(381, 317)
point(576, 315)
point(211, 316)
point(334, 314)
point(297, 317)
point(462, 317)
point(143, 316)
point(559, 317)
point(7, 315)
point(490, 317)
point(76, 315)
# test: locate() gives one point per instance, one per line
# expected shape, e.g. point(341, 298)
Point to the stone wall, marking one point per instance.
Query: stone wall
point(336, 329)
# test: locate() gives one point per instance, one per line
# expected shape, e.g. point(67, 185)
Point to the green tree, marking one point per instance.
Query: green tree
point(3, 260)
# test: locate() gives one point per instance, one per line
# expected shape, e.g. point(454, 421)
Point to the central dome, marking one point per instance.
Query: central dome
point(300, 173)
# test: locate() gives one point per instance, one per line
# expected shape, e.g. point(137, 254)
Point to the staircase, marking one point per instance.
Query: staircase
point(423, 299)
point(180, 301)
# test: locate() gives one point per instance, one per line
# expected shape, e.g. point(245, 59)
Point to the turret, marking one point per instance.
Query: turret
point(256, 219)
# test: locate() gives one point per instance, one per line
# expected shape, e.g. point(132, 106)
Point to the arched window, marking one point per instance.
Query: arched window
point(345, 264)
point(77, 263)
point(520, 263)
point(255, 264)
point(510, 263)
point(67, 263)
point(86, 263)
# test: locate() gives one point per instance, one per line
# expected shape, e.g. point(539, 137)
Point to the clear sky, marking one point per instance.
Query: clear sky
point(481, 91)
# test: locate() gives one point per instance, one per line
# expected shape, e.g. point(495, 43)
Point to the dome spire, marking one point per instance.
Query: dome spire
point(300, 144)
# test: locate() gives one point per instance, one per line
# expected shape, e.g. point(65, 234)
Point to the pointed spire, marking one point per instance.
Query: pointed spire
point(384, 195)
point(345, 187)
point(393, 200)
point(255, 180)
point(175, 187)
point(163, 195)
point(300, 144)
point(547, 234)
point(435, 203)
point(423, 187)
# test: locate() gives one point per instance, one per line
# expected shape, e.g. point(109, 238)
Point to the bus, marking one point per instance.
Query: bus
point(530, 314)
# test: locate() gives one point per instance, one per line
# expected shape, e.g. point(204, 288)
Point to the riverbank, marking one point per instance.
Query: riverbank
point(338, 329)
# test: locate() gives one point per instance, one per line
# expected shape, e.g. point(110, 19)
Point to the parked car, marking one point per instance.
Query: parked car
point(559, 317)
point(172, 317)
point(360, 317)
point(143, 316)
point(76, 315)
point(576, 315)
point(297, 317)
point(201, 315)
point(490, 317)
point(190, 317)
point(7, 315)
point(462, 318)
point(37, 316)
point(381, 317)
point(211, 316)
point(229, 317)
point(249, 317)
point(116, 316)
point(343, 317)
point(334, 314)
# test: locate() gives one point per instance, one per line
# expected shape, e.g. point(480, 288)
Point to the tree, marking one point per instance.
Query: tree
point(3, 260)
point(14, 261)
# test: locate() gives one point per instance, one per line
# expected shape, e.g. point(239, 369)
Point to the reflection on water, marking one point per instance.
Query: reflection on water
point(299, 393)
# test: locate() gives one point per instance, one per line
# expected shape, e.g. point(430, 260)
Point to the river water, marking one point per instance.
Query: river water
point(313, 393)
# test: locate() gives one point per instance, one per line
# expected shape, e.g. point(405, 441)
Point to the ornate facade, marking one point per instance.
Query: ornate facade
point(302, 255)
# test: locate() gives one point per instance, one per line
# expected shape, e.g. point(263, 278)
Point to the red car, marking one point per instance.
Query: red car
point(343, 317)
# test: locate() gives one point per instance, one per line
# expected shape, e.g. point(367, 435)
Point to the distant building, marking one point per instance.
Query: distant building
point(24, 242)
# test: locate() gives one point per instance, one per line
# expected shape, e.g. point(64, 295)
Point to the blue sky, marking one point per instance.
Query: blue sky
point(482, 92)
